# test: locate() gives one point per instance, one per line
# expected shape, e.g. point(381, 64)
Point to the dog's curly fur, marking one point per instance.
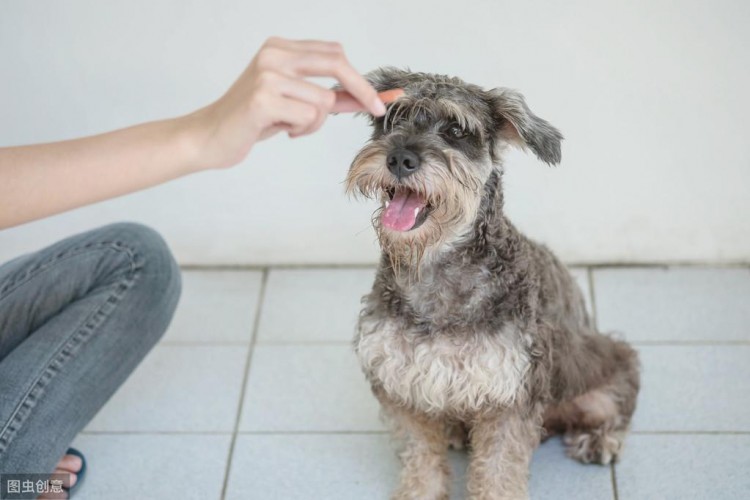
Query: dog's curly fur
point(473, 332)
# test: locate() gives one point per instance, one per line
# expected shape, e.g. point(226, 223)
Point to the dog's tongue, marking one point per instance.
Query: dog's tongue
point(402, 211)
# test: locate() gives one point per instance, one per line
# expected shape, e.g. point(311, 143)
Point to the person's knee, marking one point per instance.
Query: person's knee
point(159, 267)
point(158, 283)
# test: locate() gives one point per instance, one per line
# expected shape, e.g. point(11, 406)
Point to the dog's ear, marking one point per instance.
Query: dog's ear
point(387, 78)
point(518, 125)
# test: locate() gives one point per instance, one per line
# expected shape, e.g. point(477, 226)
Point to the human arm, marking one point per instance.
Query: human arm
point(270, 96)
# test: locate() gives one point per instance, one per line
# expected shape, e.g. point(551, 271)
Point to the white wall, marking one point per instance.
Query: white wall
point(651, 95)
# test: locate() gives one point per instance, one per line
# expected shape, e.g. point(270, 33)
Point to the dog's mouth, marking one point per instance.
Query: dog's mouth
point(405, 209)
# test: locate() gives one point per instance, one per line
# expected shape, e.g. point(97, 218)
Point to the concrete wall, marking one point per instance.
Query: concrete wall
point(651, 96)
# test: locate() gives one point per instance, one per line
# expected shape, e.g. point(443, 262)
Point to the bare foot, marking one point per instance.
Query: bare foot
point(69, 465)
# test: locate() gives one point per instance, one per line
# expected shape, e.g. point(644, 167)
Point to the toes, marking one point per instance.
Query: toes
point(595, 446)
point(69, 478)
point(71, 463)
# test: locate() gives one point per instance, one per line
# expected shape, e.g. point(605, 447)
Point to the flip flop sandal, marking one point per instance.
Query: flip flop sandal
point(81, 473)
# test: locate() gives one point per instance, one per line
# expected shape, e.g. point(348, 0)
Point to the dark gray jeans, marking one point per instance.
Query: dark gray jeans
point(75, 320)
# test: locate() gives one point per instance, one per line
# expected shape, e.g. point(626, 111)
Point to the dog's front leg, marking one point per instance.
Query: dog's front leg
point(502, 445)
point(425, 473)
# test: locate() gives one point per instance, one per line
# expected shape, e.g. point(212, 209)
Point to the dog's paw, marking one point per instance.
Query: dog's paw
point(594, 446)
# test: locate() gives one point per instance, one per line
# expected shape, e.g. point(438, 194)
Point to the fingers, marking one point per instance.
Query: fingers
point(317, 58)
point(337, 66)
point(346, 103)
point(309, 92)
point(329, 101)
point(293, 116)
point(303, 45)
point(285, 101)
point(323, 99)
point(326, 101)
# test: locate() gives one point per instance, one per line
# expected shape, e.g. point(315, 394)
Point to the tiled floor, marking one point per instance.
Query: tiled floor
point(254, 393)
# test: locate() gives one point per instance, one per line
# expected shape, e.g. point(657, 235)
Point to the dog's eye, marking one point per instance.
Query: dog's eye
point(455, 131)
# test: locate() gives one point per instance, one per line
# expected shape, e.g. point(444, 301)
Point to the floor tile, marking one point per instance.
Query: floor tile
point(313, 304)
point(694, 388)
point(299, 390)
point(677, 304)
point(554, 476)
point(307, 388)
point(459, 461)
point(178, 388)
point(216, 306)
point(153, 466)
point(317, 466)
point(365, 466)
point(685, 467)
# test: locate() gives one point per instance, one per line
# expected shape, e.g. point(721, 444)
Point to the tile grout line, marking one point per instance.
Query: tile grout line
point(657, 343)
point(274, 267)
point(613, 477)
point(668, 264)
point(305, 343)
point(204, 343)
point(293, 343)
point(315, 433)
point(156, 433)
point(690, 433)
point(372, 431)
point(248, 361)
point(316, 343)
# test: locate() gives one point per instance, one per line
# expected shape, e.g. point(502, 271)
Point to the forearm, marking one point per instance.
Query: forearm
point(269, 97)
point(44, 179)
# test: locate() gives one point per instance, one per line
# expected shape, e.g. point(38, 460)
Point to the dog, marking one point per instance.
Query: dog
point(473, 334)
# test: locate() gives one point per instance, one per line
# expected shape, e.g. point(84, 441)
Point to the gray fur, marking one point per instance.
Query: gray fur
point(493, 107)
point(471, 325)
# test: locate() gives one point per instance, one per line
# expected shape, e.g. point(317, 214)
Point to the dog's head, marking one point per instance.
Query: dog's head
point(432, 153)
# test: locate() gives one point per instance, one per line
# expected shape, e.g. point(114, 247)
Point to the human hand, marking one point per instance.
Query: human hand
point(272, 96)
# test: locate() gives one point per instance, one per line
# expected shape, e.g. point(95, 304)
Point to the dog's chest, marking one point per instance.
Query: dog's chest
point(457, 374)
point(448, 295)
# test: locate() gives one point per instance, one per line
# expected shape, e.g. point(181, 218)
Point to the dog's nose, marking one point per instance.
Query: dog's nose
point(402, 162)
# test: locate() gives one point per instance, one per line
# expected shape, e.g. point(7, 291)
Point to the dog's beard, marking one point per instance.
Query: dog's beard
point(445, 192)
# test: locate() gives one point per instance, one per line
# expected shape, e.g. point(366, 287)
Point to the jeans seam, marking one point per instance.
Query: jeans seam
point(69, 349)
point(61, 257)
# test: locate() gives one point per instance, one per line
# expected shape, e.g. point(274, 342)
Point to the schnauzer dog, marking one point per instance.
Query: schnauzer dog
point(473, 334)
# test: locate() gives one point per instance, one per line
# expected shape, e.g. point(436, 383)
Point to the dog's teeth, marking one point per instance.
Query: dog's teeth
point(387, 203)
point(416, 211)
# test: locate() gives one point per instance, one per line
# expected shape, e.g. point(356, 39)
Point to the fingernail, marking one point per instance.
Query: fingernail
point(379, 107)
